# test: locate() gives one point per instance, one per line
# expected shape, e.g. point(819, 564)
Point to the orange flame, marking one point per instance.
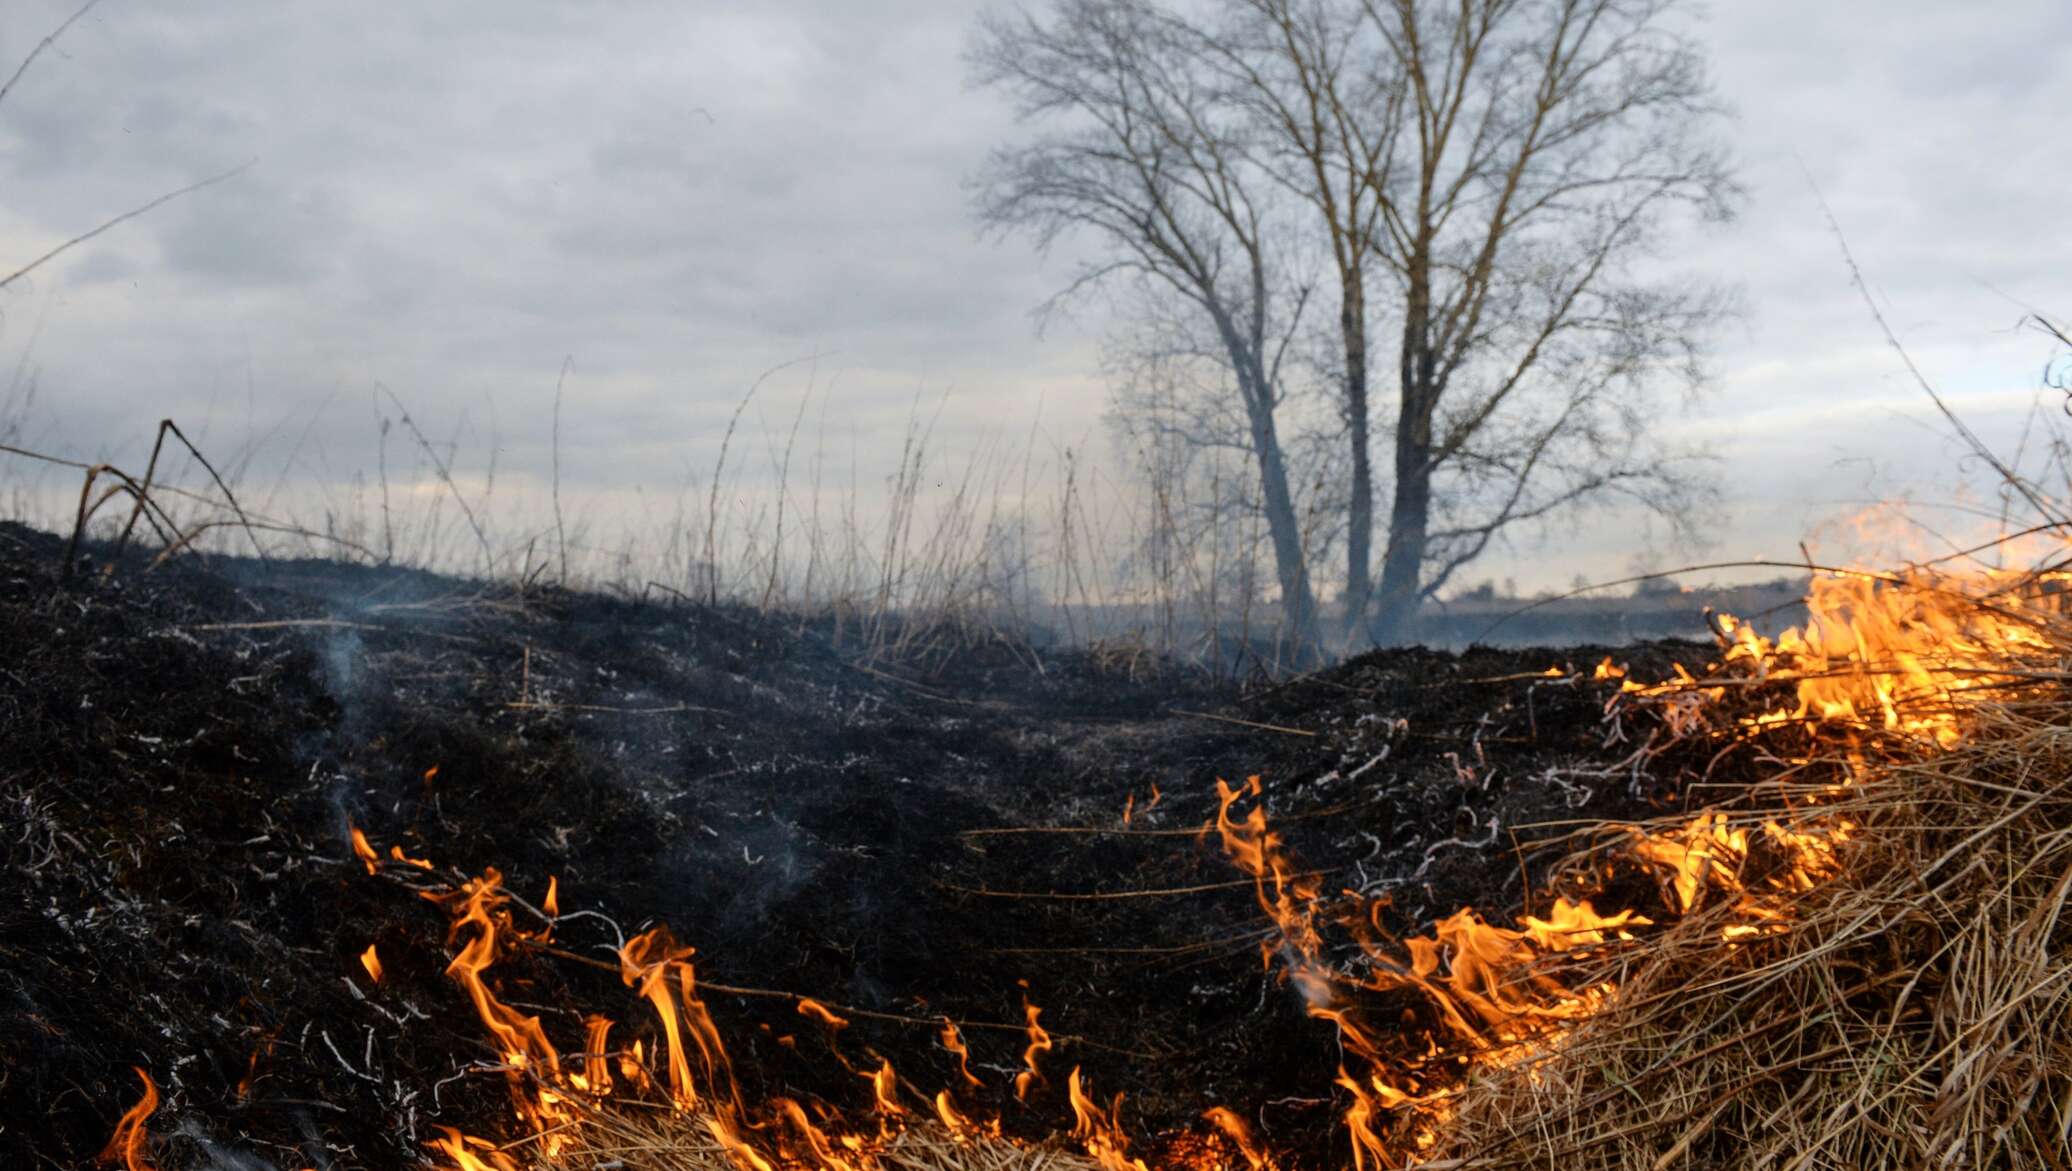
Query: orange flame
point(1039, 1044)
point(1707, 854)
point(1234, 1129)
point(809, 1007)
point(644, 966)
point(1573, 925)
point(1291, 900)
point(127, 1143)
point(952, 1121)
point(367, 856)
point(954, 1042)
point(597, 1070)
point(885, 1087)
point(372, 962)
point(520, 1040)
point(816, 1140)
point(1497, 993)
point(456, 1146)
point(1481, 979)
point(1100, 1131)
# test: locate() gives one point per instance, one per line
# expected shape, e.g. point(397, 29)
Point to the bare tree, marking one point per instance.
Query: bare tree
point(1485, 178)
point(1141, 148)
point(1545, 143)
point(1328, 106)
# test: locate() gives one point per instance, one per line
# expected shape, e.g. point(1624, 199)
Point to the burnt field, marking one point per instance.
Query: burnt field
point(188, 749)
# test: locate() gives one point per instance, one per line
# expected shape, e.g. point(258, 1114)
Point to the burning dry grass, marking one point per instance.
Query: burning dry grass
point(1848, 949)
point(675, 1141)
point(1860, 959)
point(1911, 1011)
point(1875, 969)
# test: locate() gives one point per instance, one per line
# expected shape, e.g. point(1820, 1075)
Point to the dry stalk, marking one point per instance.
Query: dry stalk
point(1915, 1010)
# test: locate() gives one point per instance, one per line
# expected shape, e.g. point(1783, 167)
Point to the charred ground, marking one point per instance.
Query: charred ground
point(183, 751)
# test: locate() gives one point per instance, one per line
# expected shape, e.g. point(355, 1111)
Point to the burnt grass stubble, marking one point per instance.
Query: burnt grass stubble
point(179, 893)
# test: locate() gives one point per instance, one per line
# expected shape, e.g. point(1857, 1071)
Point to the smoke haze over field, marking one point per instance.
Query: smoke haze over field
point(449, 199)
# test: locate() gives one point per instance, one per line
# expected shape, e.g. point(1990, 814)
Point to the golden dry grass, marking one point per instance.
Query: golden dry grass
point(1905, 1002)
point(666, 1140)
point(1915, 1010)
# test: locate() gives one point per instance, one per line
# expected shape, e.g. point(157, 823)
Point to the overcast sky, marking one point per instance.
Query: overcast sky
point(449, 198)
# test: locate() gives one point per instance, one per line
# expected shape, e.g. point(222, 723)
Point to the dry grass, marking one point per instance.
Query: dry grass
point(1877, 973)
point(665, 1140)
point(945, 551)
point(1914, 1011)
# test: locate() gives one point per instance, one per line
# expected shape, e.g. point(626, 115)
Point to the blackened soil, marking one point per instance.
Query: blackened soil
point(183, 751)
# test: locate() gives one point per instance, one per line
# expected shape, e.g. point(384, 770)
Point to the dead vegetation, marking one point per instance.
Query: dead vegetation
point(1912, 1008)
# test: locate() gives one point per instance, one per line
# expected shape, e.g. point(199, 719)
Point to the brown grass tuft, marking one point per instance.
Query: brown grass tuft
point(1914, 1011)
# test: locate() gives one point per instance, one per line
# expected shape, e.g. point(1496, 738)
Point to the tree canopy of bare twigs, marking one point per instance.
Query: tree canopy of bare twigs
point(1137, 150)
point(1548, 142)
point(1487, 181)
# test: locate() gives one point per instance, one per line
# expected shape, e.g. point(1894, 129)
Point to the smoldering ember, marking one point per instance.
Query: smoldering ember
point(556, 613)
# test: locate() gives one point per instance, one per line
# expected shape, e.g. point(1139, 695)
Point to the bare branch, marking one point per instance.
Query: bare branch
point(125, 217)
point(43, 44)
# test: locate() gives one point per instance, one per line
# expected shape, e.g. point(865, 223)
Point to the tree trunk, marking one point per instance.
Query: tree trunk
point(1402, 564)
point(1291, 568)
point(1359, 541)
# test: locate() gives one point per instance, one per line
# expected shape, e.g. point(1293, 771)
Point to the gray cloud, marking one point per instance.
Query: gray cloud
point(450, 198)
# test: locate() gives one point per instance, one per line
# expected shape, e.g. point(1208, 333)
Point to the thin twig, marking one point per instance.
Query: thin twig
point(125, 217)
point(672, 709)
point(1285, 731)
point(43, 44)
point(1102, 896)
point(934, 1022)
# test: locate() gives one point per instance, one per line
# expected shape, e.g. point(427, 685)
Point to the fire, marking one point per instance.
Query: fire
point(1039, 1044)
point(462, 1150)
point(1290, 901)
point(1486, 993)
point(1904, 656)
point(371, 961)
point(1234, 1129)
point(809, 1007)
point(1707, 854)
point(1903, 653)
point(479, 912)
point(1489, 987)
point(885, 1088)
point(644, 966)
point(597, 1070)
point(371, 858)
point(551, 1098)
point(954, 1042)
point(952, 1120)
point(365, 852)
point(1098, 1130)
point(126, 1146)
